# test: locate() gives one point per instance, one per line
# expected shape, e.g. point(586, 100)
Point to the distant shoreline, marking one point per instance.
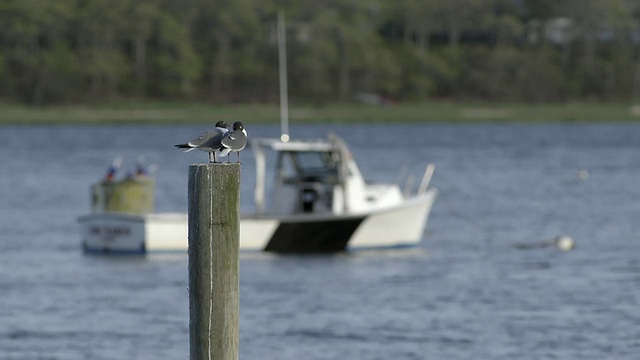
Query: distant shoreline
point(435, 112)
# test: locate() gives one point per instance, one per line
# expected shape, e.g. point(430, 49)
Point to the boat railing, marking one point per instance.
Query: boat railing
point(424, 183)
point(426, 178)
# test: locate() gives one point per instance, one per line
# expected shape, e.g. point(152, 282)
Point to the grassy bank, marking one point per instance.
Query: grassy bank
point(178, 113)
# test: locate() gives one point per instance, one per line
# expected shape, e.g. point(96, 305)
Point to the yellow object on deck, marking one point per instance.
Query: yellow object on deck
point(131, 195)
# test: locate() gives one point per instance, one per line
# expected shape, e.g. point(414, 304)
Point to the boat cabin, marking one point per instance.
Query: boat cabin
point(316, 177)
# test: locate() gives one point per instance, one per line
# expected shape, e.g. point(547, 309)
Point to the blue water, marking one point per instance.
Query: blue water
point(465, 293)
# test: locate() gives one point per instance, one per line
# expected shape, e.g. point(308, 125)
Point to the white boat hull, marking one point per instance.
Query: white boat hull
point(398, 226)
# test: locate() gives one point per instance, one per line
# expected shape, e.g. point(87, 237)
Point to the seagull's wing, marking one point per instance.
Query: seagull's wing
point(207, 138)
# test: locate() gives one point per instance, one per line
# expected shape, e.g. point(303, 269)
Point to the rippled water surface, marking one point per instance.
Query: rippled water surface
point(466, 293)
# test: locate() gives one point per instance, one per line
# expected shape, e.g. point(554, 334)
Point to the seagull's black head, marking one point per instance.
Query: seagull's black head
point(221, 124)
point(238, 126)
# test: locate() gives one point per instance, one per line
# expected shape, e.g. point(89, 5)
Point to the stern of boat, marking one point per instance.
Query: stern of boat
point(112, 233)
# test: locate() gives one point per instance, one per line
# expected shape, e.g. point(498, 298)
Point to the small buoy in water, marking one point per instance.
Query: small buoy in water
point(561, 242)
point(583, 175)
point(564, 242)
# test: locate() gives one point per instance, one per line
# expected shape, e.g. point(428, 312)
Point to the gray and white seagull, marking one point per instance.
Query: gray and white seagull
point(210, 141)
point(234, 140)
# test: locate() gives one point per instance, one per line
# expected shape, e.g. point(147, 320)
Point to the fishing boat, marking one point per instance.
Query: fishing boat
point(319, 203)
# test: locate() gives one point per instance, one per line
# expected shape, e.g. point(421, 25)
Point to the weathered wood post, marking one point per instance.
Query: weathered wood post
point(214, 235)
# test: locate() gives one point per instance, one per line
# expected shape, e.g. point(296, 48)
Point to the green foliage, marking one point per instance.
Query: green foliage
point(410, 50)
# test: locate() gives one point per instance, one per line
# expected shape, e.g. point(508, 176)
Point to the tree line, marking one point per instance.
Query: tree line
point(68, 51)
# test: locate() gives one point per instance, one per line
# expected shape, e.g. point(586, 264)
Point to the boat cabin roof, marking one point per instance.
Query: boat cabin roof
point(296, 145)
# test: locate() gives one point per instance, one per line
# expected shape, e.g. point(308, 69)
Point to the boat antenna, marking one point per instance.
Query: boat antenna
point(282, 67)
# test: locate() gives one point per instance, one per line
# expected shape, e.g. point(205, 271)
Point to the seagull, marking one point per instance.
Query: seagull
point(234, 140)
point(210, 141)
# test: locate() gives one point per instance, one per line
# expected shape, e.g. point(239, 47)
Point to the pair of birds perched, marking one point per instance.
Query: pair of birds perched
point(219, 141)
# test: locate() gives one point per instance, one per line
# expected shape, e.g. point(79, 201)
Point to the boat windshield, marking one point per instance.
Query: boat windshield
point(314, 165)
point(306, 181)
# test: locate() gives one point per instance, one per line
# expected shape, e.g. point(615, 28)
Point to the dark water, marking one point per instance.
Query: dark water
point(465, 293)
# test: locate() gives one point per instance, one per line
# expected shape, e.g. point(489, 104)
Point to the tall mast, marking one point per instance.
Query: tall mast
point(282, 67)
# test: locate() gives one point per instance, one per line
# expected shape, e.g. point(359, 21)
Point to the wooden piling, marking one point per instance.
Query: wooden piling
point(214, 236)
